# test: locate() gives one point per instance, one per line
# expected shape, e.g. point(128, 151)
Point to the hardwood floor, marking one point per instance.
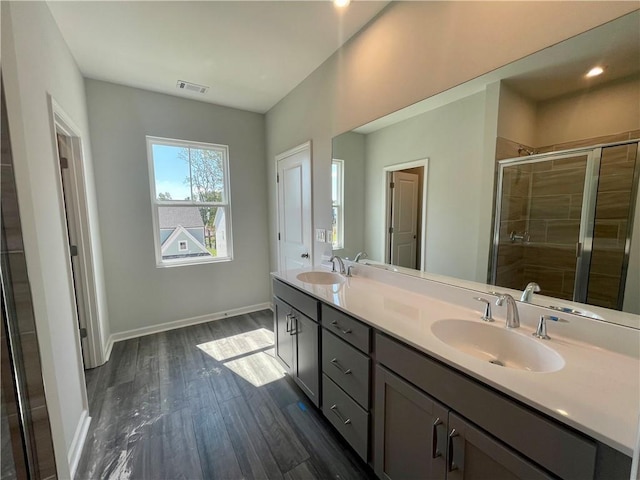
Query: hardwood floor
point(207, 402)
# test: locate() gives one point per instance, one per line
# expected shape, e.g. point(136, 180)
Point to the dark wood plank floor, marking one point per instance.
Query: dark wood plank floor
point(207, 402)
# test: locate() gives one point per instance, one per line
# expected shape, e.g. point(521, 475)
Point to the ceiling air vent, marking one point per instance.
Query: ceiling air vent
point(191, 87)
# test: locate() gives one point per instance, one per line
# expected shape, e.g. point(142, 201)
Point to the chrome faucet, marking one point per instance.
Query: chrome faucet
point(340, 262)
point(513, 319)
point(527, 294)
point(360, 255)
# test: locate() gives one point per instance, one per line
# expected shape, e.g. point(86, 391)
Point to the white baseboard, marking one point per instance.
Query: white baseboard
point(108, 348)
point(75, 450)
point(163, 327)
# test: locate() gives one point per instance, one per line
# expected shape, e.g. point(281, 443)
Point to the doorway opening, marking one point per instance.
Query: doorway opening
point(405, 190)
point(68, 143)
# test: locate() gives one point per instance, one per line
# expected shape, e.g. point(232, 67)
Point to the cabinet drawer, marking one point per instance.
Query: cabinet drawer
point(301, 301)
point(562, 451)
point(347, 416)
point(347, 328)
point(346, 366)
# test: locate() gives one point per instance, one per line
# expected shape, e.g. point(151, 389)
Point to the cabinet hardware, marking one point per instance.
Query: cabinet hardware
point(288, 317)
point(304, 255)
point(335, 363)
point(451, 466)
point(294, 331)
point(335, 324)
point(435, 453)
point(334, 409)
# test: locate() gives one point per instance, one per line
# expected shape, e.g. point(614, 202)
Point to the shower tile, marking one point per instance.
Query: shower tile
point(603, 290)
point(44, 445)
point(513, 208)
point(618, 155)
point(10, 212)
point(575, 211)
point(549, 279)
point(568, 283)
point(564, 232)
point(633, 134)
point(562, 258)
point(577, 162)
point(550, 207)
point(21, 292)
point(32, 368)
point(613, 205)
point(555, 182)
point(516, 182)
point(511, 226)
point(537, 231)
point(541, 166)
point(607, 262)
point(620, 182)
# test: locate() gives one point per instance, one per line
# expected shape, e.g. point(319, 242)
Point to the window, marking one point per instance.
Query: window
point(337, 203)
point(190, 199)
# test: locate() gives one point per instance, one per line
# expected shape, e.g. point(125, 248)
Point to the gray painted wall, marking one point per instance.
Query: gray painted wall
point(139, 294)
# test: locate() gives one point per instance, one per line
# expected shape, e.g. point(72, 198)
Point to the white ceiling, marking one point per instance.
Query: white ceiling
point(250, 54)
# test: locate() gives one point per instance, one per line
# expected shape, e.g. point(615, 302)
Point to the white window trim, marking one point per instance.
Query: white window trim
point(155, 203)
point(340, 204)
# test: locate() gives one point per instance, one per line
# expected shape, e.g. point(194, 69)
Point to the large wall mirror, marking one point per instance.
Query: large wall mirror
point(526, 174)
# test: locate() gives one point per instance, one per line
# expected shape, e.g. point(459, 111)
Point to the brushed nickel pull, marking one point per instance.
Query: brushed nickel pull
point(335, 363)
point(288, 317)
point(435, 453)
point(451, 466)
point(334, 409)
point(334, 323)
point(292, 331)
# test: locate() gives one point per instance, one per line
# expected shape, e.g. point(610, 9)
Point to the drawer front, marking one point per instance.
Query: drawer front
point(346, 366)
point(347, 328)
point(514, 424)
point(301, 301)
point(347, 416)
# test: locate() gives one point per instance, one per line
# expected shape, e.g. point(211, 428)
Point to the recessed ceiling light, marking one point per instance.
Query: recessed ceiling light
point(595, 71)
point(341, 3)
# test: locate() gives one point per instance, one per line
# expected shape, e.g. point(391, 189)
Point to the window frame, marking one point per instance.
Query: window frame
point(339, 204)
point(155, 203)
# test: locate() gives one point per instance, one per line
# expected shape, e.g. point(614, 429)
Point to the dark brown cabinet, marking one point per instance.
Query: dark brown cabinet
point(284, 340)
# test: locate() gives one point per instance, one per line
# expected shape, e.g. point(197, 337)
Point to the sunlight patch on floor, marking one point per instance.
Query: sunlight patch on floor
point(249, 355)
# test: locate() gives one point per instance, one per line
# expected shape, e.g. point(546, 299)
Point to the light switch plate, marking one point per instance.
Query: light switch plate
point(329, 235)
point(320, 235)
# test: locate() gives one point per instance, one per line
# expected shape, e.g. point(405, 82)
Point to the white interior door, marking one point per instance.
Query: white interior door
point(294, 208)
point(404, 219)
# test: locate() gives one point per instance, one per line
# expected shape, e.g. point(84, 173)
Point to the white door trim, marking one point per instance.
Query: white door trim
point(388, 170)
point(62, 123)
point(292, 151)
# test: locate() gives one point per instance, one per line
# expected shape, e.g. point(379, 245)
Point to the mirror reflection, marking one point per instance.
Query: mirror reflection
point(526, 174)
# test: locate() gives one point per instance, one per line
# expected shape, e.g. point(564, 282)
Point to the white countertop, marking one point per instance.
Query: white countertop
point(597, 391)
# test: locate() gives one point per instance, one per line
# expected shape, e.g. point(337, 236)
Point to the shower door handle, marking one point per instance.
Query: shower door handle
point(578, 249)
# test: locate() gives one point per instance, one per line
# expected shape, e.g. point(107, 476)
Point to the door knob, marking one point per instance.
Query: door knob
point(305, 255)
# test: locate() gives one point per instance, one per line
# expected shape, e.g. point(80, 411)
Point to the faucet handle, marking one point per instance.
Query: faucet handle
point(541, 331)
point(487, 309)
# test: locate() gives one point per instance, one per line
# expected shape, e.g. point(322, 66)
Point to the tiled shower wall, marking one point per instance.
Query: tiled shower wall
point(19, 325)
point(552, 220)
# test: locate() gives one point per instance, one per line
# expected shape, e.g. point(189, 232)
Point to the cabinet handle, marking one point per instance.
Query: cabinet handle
point(294, 331)
point(288, 317)
point(435, 453)
point(451, 466)
point(335, 324)
point(335, 363)
point(334, 409)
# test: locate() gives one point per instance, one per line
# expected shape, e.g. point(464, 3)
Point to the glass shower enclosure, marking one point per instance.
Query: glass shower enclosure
point(564, 221)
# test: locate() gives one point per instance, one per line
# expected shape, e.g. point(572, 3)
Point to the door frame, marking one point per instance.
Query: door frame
point(61, 123)
point(292, 151)
point(386, 178)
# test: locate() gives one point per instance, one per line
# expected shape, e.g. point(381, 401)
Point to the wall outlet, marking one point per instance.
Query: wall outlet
point(320, 235)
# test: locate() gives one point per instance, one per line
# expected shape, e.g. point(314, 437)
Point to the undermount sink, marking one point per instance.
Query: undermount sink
point(498, 346)
point(320, 278)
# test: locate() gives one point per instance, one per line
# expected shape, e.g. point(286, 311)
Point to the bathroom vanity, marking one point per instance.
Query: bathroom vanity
point(380, 362)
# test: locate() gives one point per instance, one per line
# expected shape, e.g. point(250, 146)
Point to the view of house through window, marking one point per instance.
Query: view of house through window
point(190, 196)
point(337, 176)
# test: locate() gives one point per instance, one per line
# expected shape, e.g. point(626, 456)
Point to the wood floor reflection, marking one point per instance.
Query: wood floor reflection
point(207, 402)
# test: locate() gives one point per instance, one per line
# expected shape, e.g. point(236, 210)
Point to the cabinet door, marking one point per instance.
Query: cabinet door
point(473, 454)
point(410, 431)
point(307, 358)
point(284, 340)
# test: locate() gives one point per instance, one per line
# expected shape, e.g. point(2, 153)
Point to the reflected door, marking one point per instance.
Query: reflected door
point(404, 219)
point(544, 224)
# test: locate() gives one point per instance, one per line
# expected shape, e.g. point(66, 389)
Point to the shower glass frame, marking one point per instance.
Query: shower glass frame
point(584, 246)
